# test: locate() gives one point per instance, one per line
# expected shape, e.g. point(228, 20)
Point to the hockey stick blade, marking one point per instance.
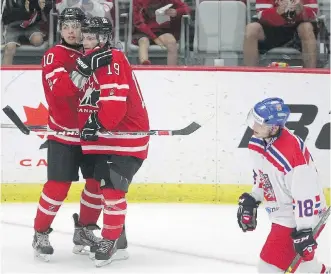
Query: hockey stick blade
point(318, 229)
point(11, 114)
point(187, 130)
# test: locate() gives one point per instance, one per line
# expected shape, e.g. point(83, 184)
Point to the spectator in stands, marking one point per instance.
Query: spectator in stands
point(157, 22)
point(91, 8)
point(23, 19)
point(279, 22)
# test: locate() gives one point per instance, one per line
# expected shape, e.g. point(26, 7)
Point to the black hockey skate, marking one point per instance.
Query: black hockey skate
point(105, 253)
point(121, 245)
point(84, 238)
point(42, 247)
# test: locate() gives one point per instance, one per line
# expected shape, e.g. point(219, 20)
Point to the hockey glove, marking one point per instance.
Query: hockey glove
point(304, 243)
point(247, 212)
point(87, 64)
point(78, 79)
point(91, 127)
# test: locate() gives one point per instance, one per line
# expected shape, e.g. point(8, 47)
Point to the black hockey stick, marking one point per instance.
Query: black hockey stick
point(43, 130)
point(317, 230)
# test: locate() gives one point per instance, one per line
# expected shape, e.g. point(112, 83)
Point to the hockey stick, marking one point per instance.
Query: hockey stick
point(31, 128)
point(43, 130)
point(317, 230)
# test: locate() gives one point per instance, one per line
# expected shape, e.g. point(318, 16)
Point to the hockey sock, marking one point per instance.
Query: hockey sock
point(50, 201)
point(114, 212)
point(90, 203)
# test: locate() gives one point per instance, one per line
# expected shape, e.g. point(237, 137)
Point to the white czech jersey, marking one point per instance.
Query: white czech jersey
point(286, 179)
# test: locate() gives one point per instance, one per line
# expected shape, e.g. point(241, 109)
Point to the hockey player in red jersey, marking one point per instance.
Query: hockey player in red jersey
point(112, 101)
point(64, 155)
point(286, 179)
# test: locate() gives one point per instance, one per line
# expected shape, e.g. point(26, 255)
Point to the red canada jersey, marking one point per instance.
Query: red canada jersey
point(61, 94)
point(267, 12)
point(113, 92)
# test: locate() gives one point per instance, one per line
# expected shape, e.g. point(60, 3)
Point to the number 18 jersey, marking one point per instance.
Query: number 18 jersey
point(286, 179)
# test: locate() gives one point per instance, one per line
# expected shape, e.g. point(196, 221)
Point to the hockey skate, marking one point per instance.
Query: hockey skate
point(121, 245)
point(105, 252)
point(84, 238)
point(42, 247)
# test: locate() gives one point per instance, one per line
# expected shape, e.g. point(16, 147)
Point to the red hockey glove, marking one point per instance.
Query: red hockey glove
point(247, 212)
point(304, 243)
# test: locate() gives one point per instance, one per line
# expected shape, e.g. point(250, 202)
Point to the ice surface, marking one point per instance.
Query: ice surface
point(163, 238)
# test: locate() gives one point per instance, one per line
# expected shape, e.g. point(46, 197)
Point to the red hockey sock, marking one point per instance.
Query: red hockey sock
point(51, 199)
point(90, 203)
point(113, 213)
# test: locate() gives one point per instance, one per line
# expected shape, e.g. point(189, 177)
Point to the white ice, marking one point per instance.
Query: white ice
point(163, 238)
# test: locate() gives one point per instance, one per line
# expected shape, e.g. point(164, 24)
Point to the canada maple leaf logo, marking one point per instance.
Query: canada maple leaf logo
point(36, 116)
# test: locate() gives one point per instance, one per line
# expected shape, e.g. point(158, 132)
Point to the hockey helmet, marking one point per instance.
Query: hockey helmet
point(107, 26)
point(101, 26)
point(92, 25)
point(71, 14)
point(271, 112)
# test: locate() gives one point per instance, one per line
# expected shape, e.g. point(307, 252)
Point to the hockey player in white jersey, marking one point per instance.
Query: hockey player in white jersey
point(286, 180)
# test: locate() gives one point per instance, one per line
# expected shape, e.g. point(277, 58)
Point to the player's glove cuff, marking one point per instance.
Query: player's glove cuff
point(83, 66)
point(87, 64)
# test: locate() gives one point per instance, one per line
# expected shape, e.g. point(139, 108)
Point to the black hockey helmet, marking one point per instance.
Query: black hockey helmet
point(92, 25)
point(71, 14)
point(107, 26)
point(101, 26)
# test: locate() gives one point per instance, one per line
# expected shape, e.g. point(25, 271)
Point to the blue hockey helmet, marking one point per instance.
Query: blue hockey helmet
point(271, 112)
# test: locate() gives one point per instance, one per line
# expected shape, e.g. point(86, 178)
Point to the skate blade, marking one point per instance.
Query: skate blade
point(42, 257)
point(80, 250)
point(120, 255)
point(101, 263)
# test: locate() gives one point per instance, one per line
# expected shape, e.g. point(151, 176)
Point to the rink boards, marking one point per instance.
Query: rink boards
point(212, 164)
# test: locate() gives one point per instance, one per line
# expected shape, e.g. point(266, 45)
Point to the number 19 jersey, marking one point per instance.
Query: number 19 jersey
point(113, 92)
